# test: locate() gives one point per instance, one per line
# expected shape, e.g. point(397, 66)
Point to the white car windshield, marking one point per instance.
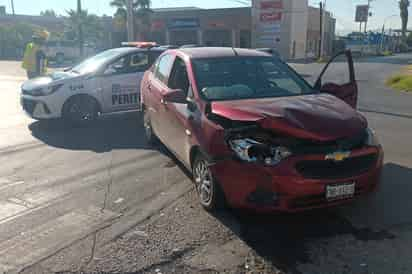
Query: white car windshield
point(95, 62)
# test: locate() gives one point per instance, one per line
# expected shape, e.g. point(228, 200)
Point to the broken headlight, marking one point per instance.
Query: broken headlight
point(251, 151)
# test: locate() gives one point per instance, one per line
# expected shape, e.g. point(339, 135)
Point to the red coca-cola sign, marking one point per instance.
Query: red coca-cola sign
point(270, 16)
point(265, 5)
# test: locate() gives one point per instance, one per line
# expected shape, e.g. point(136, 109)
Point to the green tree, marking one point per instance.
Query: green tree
point(92, 26)
point(403, 6)
point(142, 12)
point(48, 13)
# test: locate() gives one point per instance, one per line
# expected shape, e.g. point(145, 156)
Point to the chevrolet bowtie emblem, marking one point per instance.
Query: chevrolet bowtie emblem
point(338, 156)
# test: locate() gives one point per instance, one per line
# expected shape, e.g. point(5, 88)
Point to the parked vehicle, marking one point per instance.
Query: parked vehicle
point(105, 83)
point(60, 51)
point(255, 134)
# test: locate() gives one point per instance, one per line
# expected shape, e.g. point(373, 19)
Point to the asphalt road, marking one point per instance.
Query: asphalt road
point(65, 193)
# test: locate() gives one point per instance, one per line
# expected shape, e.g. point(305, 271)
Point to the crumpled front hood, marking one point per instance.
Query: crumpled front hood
point(55, 77)
point(319, 117)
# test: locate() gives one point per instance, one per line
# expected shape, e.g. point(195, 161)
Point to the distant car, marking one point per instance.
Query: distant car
point(255, 134)
point(60, 51)
point(105, 83)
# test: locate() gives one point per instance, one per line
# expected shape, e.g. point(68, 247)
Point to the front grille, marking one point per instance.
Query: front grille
point(29, 105)
point(345, 144)
point(336, 170)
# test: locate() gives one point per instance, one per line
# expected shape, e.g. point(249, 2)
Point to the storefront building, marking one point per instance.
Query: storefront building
point(286, 25)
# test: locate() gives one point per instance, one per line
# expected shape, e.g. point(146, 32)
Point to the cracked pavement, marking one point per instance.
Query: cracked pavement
point(99, 199)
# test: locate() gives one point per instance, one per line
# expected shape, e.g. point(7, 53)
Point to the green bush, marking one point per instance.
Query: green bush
point(400, 82)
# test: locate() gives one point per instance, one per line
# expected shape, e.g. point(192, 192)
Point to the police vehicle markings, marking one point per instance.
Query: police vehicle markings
point(124, 94)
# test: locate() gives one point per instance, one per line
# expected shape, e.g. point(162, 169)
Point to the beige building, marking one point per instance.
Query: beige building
point(313, 35)
point(290, 26)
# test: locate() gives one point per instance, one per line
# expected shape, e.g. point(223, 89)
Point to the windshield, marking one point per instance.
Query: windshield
point(95, 62)
point(247, 78)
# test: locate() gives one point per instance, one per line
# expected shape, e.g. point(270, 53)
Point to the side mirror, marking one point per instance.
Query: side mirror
point(175, 96)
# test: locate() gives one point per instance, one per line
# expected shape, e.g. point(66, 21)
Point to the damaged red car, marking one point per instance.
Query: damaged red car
point(255, 134)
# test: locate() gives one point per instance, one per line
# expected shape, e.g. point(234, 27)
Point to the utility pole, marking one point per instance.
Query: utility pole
point(130, 21)
point(367, 17)
point(321, 30)
point(80, 26)
point(12, 7)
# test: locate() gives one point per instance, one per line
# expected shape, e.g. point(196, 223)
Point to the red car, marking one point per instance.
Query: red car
point(255, 134)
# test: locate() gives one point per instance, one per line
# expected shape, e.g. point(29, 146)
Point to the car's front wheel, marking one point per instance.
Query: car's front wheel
point(210, 194)
point(80, 110)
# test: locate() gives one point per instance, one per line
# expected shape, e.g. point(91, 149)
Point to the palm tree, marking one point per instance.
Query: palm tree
point(141, 10)
point(92, 25)
point(404, 5)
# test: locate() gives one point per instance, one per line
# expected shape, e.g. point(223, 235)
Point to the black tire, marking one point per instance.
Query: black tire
point(80, 111)
point(60, 58)
point(148, 130)
point(210, 194)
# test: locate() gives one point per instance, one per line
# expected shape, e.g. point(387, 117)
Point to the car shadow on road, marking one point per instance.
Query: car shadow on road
point(282, 239)
point(120, 131)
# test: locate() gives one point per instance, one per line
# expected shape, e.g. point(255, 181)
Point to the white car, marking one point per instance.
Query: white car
point(106, 83)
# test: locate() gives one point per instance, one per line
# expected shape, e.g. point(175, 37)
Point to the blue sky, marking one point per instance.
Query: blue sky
point(343, 10)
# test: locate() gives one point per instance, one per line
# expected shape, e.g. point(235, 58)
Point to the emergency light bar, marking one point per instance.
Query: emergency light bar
point(139, 44)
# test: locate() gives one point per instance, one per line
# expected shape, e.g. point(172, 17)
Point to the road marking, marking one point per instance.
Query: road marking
point(7, 184)
point(43, 241)
point(8, 209)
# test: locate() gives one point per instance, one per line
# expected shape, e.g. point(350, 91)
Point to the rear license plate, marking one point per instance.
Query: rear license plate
point(340, 191)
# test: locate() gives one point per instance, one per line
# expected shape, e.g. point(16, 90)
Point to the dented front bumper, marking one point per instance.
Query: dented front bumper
point(288, 187)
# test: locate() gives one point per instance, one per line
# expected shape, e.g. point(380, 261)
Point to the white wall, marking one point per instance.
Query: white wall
point(287, 35)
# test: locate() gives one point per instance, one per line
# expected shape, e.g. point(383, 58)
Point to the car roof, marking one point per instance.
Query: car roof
point(221, 52)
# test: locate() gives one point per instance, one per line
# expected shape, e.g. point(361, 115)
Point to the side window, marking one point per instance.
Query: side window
point(179, 78)
point(117, 67)
point(163, 69)
point(139, 62)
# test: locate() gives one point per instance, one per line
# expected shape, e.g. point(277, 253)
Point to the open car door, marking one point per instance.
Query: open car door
point(345, 89)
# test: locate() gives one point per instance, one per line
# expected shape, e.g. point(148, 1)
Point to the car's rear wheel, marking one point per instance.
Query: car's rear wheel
point(80, 111)
point(148, 129)
point(210, 194)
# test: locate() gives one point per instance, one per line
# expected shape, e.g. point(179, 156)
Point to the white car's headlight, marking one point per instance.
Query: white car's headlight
point(251, 151)
point(372, 139)
point(45, 90)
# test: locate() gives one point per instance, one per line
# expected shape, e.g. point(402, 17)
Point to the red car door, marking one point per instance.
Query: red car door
point(346, 90)
point(177, 117)
point(157, 88)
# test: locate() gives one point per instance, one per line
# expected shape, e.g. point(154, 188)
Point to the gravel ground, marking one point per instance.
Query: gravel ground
point(183, 238)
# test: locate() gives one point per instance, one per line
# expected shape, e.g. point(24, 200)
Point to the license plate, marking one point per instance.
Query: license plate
point(340, 191)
